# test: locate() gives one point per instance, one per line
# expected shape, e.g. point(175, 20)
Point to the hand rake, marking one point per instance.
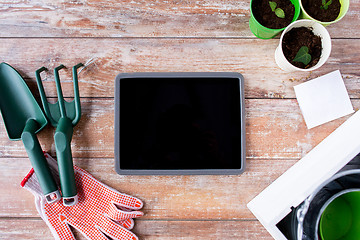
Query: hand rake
point(64, 116)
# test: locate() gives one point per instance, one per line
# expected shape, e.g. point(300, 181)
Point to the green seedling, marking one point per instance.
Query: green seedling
point(326, 4)
point(273, 5)
point(303, 56)
point(278, 11)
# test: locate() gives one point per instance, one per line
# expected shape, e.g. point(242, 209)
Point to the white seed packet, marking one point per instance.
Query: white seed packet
point(323, 99)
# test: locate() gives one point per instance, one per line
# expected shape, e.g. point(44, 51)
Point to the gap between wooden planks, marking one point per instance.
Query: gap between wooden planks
point(35, 228)
point(274, 129)
point(142, 18)
point(194, 197)
point(251, 57)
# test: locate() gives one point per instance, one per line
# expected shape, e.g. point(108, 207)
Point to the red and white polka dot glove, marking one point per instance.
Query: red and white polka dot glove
point(101, 211)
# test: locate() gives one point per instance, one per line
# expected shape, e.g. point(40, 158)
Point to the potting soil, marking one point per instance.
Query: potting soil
point(314, 9)
point(265, 16)
point(298, 37)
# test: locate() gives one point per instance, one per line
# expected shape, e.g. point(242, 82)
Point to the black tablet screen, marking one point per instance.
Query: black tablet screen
point(180, 123)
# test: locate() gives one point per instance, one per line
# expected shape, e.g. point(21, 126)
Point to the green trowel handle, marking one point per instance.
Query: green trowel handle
point(38, 161)
point(62, 139)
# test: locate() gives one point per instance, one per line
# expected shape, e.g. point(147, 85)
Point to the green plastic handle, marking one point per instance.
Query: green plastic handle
point(38, 162)
point(62, 137)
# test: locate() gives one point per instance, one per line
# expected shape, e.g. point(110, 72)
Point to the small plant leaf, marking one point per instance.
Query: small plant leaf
point(280, 13)
point(303, 55)
point(326, 4)
point(272, 5)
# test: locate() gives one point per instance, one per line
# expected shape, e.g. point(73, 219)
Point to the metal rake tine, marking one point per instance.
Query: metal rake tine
point(44, 101)
point(76, 94)
point(59, 91)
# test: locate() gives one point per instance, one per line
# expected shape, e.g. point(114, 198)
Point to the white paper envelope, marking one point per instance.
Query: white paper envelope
point(323, 99)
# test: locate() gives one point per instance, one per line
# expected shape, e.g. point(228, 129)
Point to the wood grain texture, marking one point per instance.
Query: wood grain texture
point(31, 229)
point(163, 36)
point(141, 18)
point(252, 58)
point(165, 197)
point(274, 129)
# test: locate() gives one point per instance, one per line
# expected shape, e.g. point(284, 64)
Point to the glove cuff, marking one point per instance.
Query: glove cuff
point(27, 177)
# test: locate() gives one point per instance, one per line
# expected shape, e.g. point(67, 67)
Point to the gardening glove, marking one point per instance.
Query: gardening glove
point(101, 211)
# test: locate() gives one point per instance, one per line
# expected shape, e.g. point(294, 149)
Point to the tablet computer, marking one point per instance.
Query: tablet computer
point(179, 123)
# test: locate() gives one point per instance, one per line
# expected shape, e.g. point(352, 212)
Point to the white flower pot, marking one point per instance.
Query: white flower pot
point(318, 30)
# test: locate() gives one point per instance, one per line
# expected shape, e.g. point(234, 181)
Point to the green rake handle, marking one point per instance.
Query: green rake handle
point(62, 137)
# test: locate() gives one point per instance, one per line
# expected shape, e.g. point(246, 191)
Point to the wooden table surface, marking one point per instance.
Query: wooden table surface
point(163, 36)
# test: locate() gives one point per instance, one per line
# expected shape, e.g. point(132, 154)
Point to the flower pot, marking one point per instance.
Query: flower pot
point(341, 216)
point(314, 208)
point(318, 30)
point(307, 221)
point(343, 10)
point(263, 32)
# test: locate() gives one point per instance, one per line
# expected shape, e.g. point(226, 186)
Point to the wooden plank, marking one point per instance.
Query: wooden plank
point(26, 229)
point(187, 230)
point(14, 228)
point(274, 129)
point(196, 197)
point(211, 18)
point(253, 58)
